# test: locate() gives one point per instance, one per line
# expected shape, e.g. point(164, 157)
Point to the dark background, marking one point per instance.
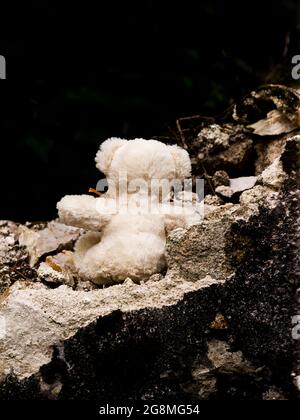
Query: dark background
point(77, 74)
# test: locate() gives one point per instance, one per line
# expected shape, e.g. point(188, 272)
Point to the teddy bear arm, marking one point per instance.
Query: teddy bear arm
point(80, 211)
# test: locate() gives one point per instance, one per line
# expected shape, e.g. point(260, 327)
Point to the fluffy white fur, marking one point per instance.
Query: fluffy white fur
point(122, 244)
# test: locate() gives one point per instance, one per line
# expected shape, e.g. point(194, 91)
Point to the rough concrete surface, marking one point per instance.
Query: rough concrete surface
point(217, 325)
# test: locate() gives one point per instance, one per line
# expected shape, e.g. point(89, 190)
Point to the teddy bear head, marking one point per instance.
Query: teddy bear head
point(141, 159)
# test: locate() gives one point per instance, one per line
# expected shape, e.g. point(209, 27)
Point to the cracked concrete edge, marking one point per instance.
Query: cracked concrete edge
point(35, 318)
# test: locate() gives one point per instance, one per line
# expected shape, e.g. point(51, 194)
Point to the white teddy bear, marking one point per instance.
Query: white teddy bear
point(127, 225)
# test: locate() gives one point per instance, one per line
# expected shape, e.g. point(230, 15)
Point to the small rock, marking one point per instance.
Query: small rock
point(274, 124)
point(273, 393)
point(237, 185)
point(225, 192)
point(8, 228)
point(273, 176)
point(297, 382)
point(222, 358)
point(220, 147)
point(205, 383)
point(55, 237)
point(129, 282)
point(52, 276)
point(50, 391)
point(243, 183)
point(200, 250)
point(220, 178)
point(9, 252)
point(267, 151)
point(213, 200)
point(13, 258)
point(85, 285)
point(282, 113)
point(219, 323)
point(259, 195)
point(61, 262)
point(156, 277)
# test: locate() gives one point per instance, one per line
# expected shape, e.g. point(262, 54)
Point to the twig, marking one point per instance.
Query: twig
point(207, 177)
point(181, 133)
point(19, 272)
point(92, 190)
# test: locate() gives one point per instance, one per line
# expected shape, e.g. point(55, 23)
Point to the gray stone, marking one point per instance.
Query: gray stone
point(227, 147)
point(220, 178)
point(274, 124)
point(243, 183)
point(200, 250)
point(55, 237)
point(283, 116)
point(225, 192)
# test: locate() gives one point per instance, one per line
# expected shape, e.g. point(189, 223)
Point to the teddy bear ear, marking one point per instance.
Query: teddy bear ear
point(182, 160)
point(106, 153)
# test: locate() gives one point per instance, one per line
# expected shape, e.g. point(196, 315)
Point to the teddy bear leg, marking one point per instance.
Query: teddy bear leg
point(83, 245)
